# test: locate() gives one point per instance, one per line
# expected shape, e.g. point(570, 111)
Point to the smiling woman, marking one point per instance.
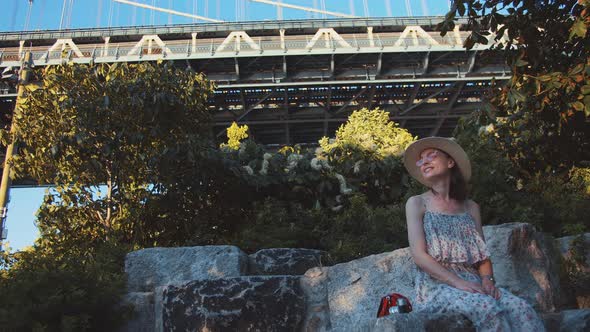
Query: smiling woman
point(447, 243)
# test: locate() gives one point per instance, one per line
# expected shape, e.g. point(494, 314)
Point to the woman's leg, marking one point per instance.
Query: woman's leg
point(483, 310)
point(522, 317)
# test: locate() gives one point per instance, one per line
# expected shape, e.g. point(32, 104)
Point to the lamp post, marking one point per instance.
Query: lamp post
point(12, 148)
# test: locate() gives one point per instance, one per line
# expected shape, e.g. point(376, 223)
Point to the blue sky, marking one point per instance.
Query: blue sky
point(47, 14)
point(53, 14)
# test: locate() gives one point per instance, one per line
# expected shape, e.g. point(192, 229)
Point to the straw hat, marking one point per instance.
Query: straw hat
point(448, 145)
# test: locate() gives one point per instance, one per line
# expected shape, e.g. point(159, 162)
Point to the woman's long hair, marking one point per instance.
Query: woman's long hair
point(458, 189)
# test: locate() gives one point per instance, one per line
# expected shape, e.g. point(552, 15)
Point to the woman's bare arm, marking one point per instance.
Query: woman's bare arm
point(484, 268)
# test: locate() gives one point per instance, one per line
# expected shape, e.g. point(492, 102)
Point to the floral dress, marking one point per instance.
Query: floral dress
point(453, 240)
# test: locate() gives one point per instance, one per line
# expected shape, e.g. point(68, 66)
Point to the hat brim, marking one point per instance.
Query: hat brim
point(447, 145)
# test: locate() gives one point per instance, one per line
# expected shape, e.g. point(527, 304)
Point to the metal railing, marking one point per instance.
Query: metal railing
point(389, 42)
point(426, 21)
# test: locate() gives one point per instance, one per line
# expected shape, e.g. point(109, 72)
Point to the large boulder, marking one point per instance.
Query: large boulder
point(347, 295)
point(576, 320)
point(284, 261)
point(422, 322)
point(153, 267)
point(575, 253)
point(253, 303)
point(525, 262)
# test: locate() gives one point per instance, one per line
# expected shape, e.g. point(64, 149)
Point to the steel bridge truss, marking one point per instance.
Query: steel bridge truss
point(296, 81)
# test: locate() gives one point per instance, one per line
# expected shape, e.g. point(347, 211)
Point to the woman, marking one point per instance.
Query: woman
point(455, 273)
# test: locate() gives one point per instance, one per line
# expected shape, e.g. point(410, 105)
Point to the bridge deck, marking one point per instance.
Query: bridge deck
point(295, 81)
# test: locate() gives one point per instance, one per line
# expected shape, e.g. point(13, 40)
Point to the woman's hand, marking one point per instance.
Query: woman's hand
point(468, 286)
point(490, 288)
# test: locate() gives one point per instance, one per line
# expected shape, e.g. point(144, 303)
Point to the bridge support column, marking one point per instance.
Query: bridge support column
point(370, 36)
point(194, 43)
point(105, 50)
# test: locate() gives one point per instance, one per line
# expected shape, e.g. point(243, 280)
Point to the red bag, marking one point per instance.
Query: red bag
point(391, 300)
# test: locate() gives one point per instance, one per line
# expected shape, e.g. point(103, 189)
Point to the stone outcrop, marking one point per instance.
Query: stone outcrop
point(284, 261)
point(419, 322)
point(575, 252)
point(252, 303)
point(525, 262)
point(149, 268)
point(575, 320)
point(348, 294)
point(220, 288)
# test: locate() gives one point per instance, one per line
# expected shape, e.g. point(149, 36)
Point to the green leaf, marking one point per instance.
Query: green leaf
point(585, 89)
point(577, 69)
point(578, 29)
point(578, 106)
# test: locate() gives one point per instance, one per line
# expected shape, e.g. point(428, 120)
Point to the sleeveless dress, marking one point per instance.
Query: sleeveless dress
point(453, 241)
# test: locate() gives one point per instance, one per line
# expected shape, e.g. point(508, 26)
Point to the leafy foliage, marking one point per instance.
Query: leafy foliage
point(553, 201)
point(541, 115)
point(62, 289)
point(367, 151)
point(129, 127)
point(370, 131)
point(235, 134)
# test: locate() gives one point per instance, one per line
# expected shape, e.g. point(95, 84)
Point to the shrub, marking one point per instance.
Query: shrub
point(62, 289)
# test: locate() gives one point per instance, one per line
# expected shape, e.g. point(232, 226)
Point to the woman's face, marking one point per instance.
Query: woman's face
point(434, 163)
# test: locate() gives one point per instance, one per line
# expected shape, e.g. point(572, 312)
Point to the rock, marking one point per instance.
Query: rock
point(575, 251)
point(143, 312)
point(284, 261)
point(582, 246)
point(354, 289)
point(253, 303)
point(422, 322)
point(525, 263)
point(577, 320)
point(149, 268)
point(315, 288)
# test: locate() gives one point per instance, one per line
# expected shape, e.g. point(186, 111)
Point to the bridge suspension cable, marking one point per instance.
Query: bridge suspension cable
point(164, 10)
point(409, 8)
point(308, 9)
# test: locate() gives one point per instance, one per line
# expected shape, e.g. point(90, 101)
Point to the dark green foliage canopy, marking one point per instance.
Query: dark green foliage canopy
point(541, 117)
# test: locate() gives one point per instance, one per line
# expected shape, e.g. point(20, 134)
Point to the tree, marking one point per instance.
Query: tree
point(106, 135)
point(541, 117)
point(367, 151)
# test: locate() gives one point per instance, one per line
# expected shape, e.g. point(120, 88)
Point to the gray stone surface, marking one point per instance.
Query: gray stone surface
point(565, 244)
point(525, 262)
point(421, 322)
point(576, 320)
point(347, 295)
point(149, 268)
point(143, 319)
point(284, 261)
point(356, 287)
point(317, 311)
point(253, 303)
point(575, 251)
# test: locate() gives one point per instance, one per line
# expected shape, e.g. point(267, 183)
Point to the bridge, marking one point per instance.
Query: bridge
point(293, 82)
